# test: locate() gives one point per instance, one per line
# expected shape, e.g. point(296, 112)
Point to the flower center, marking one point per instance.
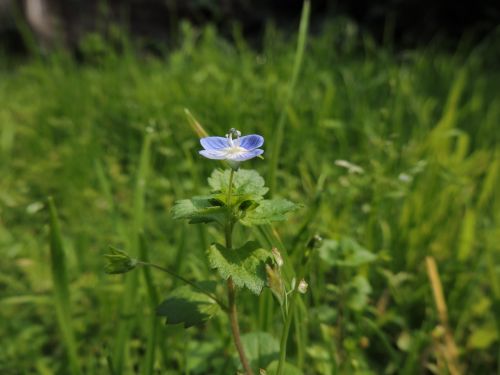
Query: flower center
point(235, 150)
point(234, 143)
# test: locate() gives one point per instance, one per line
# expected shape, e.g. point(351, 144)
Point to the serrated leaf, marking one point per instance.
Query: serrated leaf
point(189, 306)
point(268, 211)
point(204, 209)
point(246, 265)
point(345, 252)
point(246, 182)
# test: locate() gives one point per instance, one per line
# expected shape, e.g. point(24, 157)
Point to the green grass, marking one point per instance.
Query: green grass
point(422, 124)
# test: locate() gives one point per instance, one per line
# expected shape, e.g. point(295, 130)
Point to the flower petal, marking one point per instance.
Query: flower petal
point(214, 143)
point(251, 141)
point(247, 155)
point(213, 154)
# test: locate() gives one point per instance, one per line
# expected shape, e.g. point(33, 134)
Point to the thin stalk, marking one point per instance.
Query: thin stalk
point(286, 330)
point(291, 308)
point(300, 335)
point(235, 328)
point(297, 65)
point(229, 196)
point(231, 290)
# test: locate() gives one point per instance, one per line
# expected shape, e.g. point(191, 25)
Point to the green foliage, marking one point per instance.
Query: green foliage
point(247, 196)
point(345, 252)
point(189, 306)
point(75, 131)
point(261, 348)
point(268, 211)
point(245, 265)
point(200, 210)
point(288, 369)
point(61, 289)
point(247, 184)
point(358, 291)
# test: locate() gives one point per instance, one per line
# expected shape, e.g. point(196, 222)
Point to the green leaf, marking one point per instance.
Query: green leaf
point(189, 306)
point(359, 290)
point(202, 356)
point(246, 182)
point(288, 369)
point(268, 211)
point(261, 349)
point(345, 252)
point(482, 338)
point(204, 209)
point(246, 265)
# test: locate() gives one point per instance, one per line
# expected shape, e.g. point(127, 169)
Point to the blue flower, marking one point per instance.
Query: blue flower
point(232, 150)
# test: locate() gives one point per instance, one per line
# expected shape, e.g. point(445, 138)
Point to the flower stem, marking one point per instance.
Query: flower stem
point(233, 317)
point(231, 289)
point(286, 330)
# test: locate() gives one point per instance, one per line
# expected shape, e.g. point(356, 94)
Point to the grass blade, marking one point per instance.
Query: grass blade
point(128, 308)
point(297, 65)
point(61, 290)
point(154, 302)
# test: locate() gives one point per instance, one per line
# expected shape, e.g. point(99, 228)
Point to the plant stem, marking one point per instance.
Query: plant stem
point(231, 290)
point(229, 196)
point(291, 307)
point(233, 317)
point(286, 330)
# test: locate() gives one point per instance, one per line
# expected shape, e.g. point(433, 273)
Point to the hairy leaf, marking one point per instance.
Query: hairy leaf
point(268, 211)
point(189, 306)
point(245, 183)
point(246, 265)
point(204, 209)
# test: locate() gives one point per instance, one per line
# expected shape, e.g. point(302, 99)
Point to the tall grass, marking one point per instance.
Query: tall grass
point(421, 124)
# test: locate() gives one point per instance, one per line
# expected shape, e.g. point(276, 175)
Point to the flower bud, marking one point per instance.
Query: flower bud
point(315, 242)
point(302, 287)
point(118, 262)
point(277, 257)
point(275, 283)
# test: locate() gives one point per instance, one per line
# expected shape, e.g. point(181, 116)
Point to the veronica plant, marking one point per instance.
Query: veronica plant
point(236, 198)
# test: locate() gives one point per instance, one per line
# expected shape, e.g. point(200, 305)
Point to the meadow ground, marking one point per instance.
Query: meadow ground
point(109, 140)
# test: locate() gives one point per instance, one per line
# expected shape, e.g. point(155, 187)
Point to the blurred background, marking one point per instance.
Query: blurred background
point(391, 142)
point(157, 21)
